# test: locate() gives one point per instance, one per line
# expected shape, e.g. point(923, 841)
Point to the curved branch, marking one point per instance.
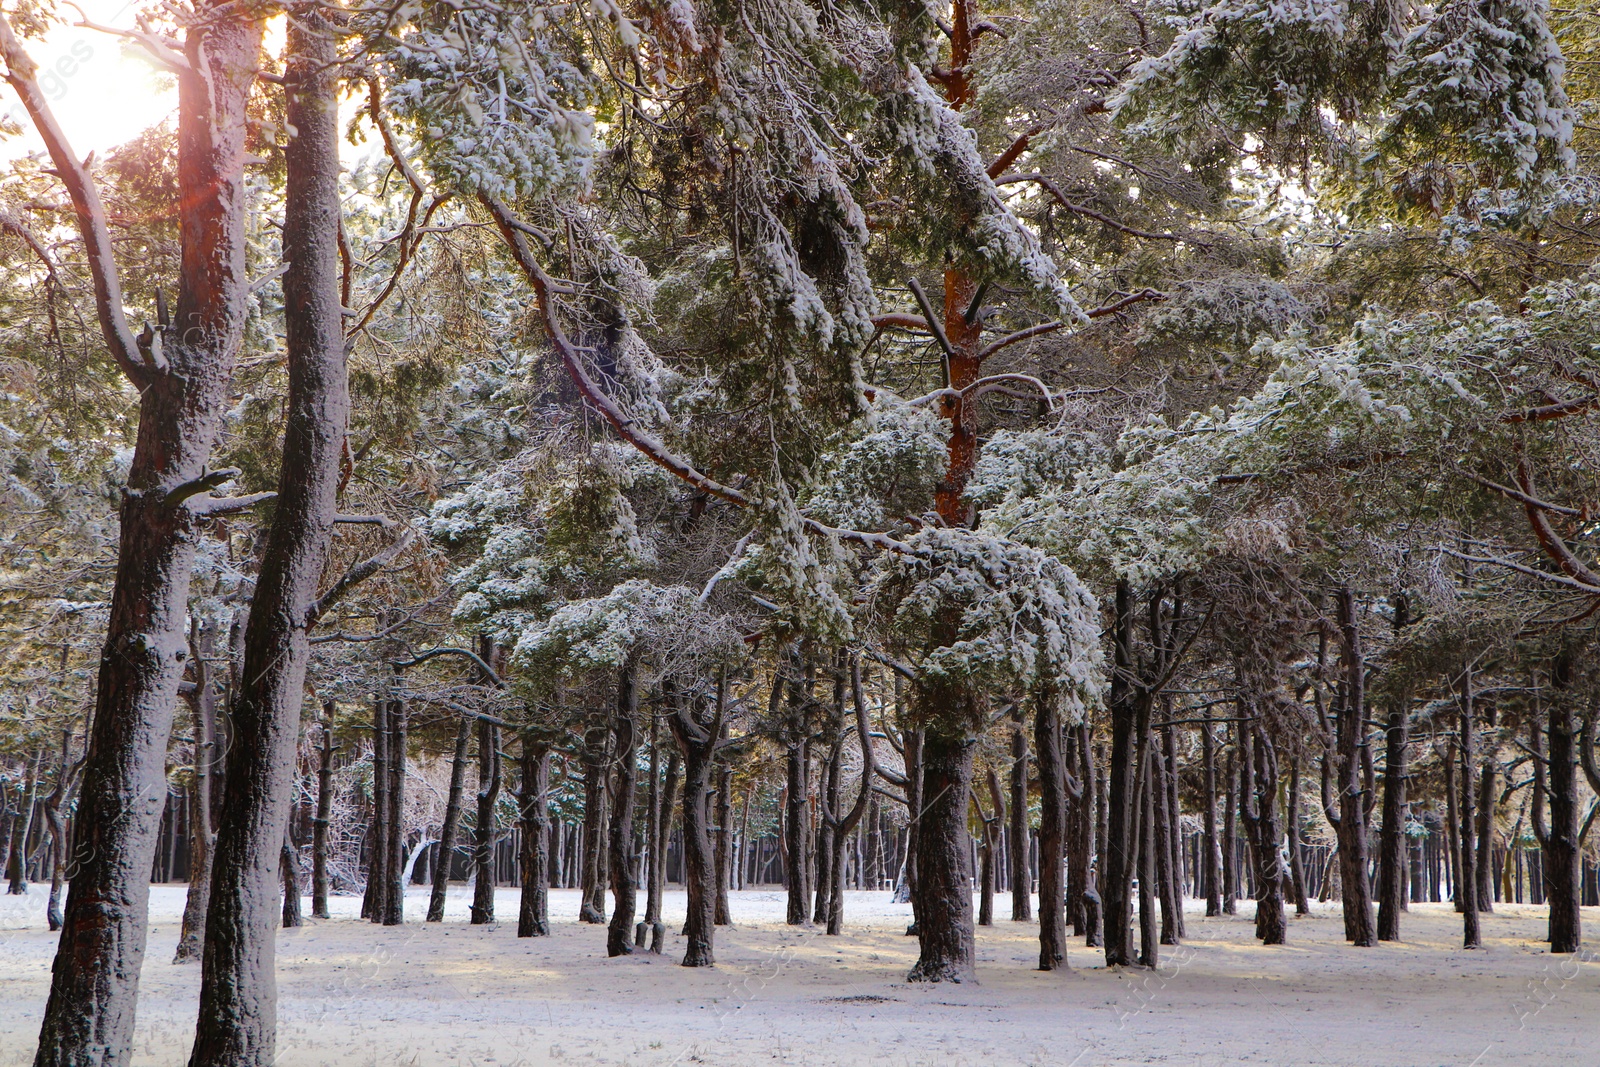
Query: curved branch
point(1090, 213)
point(450, 650)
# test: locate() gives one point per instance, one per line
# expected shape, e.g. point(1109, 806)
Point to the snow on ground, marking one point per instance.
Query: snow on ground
point(451, 995)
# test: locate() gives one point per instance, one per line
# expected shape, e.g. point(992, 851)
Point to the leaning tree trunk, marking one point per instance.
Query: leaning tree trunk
point(943, 889)
point(533, 912)
point(1021, 881)
point(55, 821)
point(182, 377)
point(238, 991)
point(22, 829)
point(1052, 831)
point(452, 820)
point(624, 887)
point(483, 845)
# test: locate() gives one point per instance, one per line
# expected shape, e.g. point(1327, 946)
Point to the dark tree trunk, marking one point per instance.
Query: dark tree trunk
point(1211, 874)
point(1452, 823)
point(203, 704)
point(595, 742)
point(652, 830)
point(1130, 706)
point(1021, 882)
point(238, 989)
point(988, 847)
point(321, 880)
point(1259, 761)
point(797, 815)
point(1173, 834)
point(89, 1017)
point(1166, 876)
point(660, 834)
point(373, 902)
point(1392, 838)
point(698, 741)
point(1467, 882)
point(55, 822)
point(533, 914)
point(724, 814)
point(624, 886)
point(1349, 816)
point(289, 864)
point(852, 818)
point(1230, 844)
point(1081, 824)
point(1484, 854)
point(1145, 849)
point(911, 740)
point(824, 854)
point(1052, 828)
point(943, 888)
point(1297, 864)
point(452, 821)
point(1559, 844)
point(483, 843)
point(394, 895)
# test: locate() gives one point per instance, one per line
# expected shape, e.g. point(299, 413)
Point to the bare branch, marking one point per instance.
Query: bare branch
point(355, 576)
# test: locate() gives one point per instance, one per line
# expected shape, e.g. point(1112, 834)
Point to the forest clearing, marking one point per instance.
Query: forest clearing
point(459, 996)
point(818, 531)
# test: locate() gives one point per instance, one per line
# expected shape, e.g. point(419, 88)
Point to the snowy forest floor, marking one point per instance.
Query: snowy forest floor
point(451, 995)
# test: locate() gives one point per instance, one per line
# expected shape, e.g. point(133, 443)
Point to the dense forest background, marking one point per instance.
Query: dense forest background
point(1128, 451)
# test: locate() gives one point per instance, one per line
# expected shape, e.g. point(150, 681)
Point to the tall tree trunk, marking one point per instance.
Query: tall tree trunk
point(1144, 848)
point(698, 741)
point(1081, 824)
point(1392, 838)
point(1484, 854)
point(1230, 823)
point(321, 880)
point(55, 820)
point(22, 827)
point(238, 989)
point(652, 830)
point(943, 888)
point(1052, 828)
point(595, 742)
point(797, 772)
point(852, 818)
point(1130, 744)
point(1260, 811)
point(1297, 864)
point(625, 743)
point(1350, 816)
point(1021, 882)
point(483, 844)
point(1173, 835)
point(1467, 882)
point(452, 820)
point(394, 868)
point(203, 705)
point(533, 914)
point(289, 866)
point(94, 986)
point(1211, 874)
point(372, 903)
point(724, 815)
point(1558, 839)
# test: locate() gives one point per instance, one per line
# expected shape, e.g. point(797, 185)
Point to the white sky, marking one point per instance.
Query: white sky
point(103, 91)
